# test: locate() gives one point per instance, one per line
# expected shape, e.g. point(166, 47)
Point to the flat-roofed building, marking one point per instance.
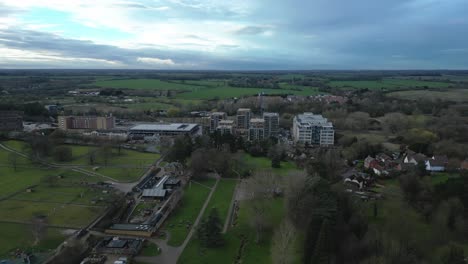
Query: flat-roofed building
point(215, 118)
point(243, 118)
point(313, 129)
point(226, 127)
point(257, 129)
point(11, 121)
point(271, 124)
point(174, 129)
point(86, 122)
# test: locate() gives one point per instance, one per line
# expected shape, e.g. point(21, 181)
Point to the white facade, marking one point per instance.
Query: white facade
point(313, 129)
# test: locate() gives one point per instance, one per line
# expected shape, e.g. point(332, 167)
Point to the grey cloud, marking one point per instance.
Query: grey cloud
point(251, 30)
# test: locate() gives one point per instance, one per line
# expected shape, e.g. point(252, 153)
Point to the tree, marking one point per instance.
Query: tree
point(63, 153)
point(13, 159)
point(282, 248)
point(261, 187)
point(105, 152)
point(323, 250)
point(180, 150)
point(209, 231)
point(39, 228)
point(453, 255)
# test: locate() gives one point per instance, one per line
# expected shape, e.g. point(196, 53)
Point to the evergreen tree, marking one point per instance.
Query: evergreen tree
point(209, 231)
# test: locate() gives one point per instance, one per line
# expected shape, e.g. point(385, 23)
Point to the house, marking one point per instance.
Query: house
point(414, 158)
point(357, 179)
point(464, 165)
point(368, 161)
point(436, 163)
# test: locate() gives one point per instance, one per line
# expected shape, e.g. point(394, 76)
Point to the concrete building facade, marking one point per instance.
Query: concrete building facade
point(271, 124)
point(257, 129)
point(243, 118)
point(313, 129)
point(215, 118)
point(86, 122)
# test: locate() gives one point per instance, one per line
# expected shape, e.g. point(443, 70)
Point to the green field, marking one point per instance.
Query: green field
point(143, 84)
point(202, 90)
point(221, 198)
point(388, 84)
point(456, 95)
point(253, 253)
point(20, 236)
point(263, 163)
point(230, 92)
point(127, 166)
point(184, 216)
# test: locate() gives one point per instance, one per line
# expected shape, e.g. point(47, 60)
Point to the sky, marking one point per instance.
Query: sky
point(234, 35)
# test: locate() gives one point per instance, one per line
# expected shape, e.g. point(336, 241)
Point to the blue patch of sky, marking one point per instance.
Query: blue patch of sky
point(64, 24)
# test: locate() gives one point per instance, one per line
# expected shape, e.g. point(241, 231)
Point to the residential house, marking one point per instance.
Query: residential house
point(436, 163)
point(464, 165)
point(414, 158)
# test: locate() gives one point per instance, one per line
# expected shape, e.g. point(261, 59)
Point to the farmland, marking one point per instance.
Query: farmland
point(389, 84)
point(455, 95)
point(202, 90)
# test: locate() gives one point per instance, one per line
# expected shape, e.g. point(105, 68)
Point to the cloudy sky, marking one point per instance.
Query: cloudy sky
point(236, 35)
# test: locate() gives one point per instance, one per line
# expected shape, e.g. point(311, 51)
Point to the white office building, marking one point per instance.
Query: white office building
point(313, 129)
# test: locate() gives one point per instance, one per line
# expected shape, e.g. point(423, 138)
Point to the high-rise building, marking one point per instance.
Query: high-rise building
point(11, 121)
point(313, 129)
point(243, 118)
point(215, 118)
point(256, 129)
point(271, 124)
point(226, 127)
point(86, 122)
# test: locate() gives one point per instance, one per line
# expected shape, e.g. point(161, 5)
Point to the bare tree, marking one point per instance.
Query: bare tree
point(39, 228)
point(282, 248)
point(261, 188)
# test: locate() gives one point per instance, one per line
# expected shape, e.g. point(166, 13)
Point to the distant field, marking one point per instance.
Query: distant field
point(388, 84)
point(229, 92)
point(201, 90)
point(144, 84)
point(456, 95)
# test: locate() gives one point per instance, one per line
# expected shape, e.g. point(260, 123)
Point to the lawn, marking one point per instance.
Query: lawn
point(184, 216)
point(456, 95)
point(221, 198)
point(20, 236)
point(57, 213)
point(150, 250)
point(263, 163)
point(253, 253)
point(389, 84)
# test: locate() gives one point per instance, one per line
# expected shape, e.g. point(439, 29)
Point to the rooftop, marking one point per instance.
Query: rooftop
point(130, 227)
point(257, 120)
point(154, 193)
point(165, 127)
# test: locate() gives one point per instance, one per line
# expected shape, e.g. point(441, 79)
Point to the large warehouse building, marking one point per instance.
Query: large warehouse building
point(175, 129)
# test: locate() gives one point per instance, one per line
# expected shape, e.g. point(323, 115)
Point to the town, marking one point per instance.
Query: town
point(228, 175)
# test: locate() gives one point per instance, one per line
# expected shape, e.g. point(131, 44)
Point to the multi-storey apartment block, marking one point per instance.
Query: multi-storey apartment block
point(313, 129)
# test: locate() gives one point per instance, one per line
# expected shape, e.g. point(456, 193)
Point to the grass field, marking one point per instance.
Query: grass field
point(221, 198)
point(388, 84)
point(253, 253)
point(183, 217)
point(57, 213)
point(201, 90)
point(263, 163)
point(456, 95)
point(15, 236)
point(132, 163)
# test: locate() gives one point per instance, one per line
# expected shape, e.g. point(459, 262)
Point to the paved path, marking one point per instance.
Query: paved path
point(231, 209)
point(170, 254)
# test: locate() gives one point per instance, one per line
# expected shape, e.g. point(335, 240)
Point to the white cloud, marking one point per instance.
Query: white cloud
point(156, 61)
